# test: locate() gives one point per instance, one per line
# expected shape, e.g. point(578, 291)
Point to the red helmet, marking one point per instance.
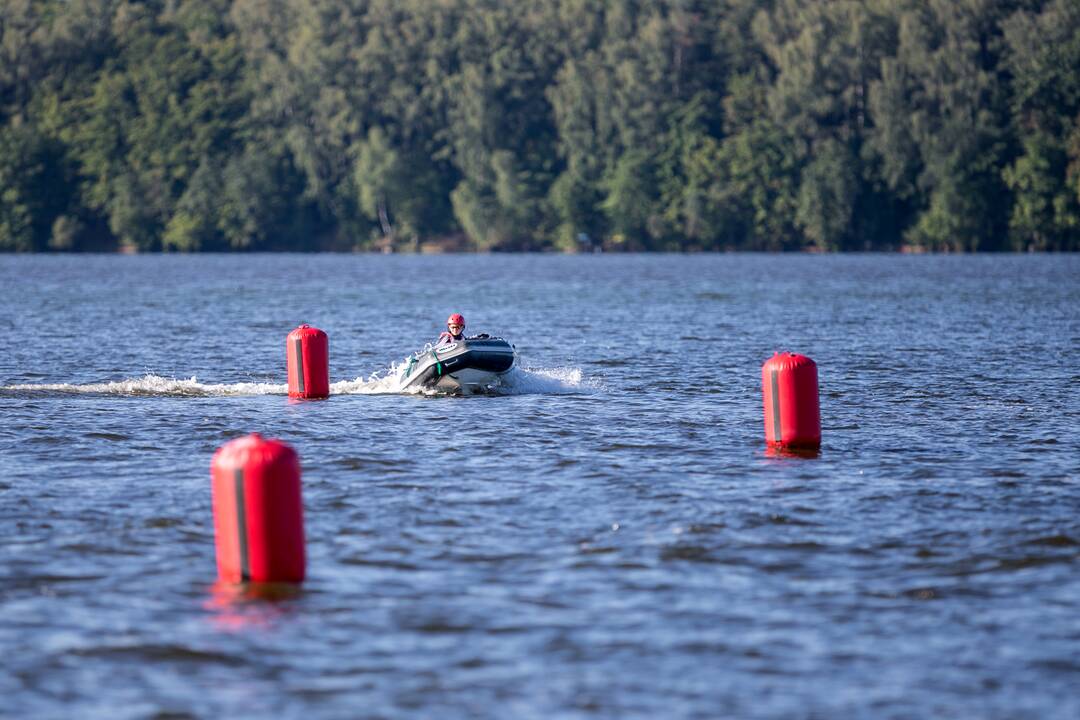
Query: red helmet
point(456, 319)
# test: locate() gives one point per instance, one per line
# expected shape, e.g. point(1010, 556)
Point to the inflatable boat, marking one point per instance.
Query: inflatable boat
point(465, 367)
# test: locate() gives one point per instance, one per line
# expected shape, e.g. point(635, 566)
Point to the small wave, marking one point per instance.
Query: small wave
point(156, 386)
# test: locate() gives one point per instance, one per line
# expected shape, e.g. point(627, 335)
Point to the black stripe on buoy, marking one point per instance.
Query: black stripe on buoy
point(300, 365)
point(241, 526)
point(775, 406)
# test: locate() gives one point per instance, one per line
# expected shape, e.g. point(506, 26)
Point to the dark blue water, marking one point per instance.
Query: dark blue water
point(606, 539)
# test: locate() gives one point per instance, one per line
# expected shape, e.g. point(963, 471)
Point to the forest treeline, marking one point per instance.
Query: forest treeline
point(196, 125)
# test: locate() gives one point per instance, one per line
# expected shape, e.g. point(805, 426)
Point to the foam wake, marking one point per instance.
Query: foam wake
point(519, 381)
point(546, 381)
point(156, 386)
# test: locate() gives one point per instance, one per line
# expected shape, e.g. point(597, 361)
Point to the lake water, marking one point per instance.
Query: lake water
point(606, 539)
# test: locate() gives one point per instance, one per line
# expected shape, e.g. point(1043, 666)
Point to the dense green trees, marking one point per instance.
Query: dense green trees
point(193, 125)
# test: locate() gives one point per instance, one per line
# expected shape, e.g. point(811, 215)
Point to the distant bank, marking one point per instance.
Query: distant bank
point(471, 125)
point(443, 246)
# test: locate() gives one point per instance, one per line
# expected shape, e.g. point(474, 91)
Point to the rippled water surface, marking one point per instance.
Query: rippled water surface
point(607, 538)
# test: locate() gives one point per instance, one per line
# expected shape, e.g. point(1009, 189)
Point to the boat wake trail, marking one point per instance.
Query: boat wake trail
point(519, 381)
point(155, 386)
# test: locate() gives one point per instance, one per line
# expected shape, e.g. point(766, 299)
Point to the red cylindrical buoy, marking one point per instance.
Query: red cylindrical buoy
point(258, 511)
point(307, 352)
point(789, 386)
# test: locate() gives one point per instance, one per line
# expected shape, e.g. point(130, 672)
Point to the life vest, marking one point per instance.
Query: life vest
point(446, 338)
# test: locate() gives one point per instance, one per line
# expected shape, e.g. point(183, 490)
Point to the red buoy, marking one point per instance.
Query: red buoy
point(258, 511)
point(789, 387)
point(307, 352)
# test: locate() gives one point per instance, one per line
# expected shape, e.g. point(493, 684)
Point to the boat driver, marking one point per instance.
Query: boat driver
point(455, 326)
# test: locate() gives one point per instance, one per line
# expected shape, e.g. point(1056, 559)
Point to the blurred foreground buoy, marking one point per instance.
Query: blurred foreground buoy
point(258, 511)
point(789, 388)
point(307, 353)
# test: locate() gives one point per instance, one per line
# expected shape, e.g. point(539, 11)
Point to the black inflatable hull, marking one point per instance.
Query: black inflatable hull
point(467, 366)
